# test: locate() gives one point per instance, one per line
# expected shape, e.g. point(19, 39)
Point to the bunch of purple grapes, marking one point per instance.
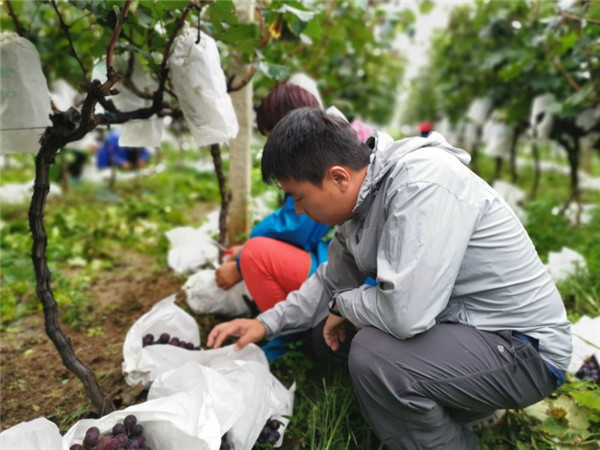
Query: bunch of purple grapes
point(269, 433)
point(124, 436)
point(164, 338)
point(589, 370)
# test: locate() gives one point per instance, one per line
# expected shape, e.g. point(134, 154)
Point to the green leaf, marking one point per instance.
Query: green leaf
point(588, 399)
point(426, 6)
point(568, 42)
point(555, 427)
point(593, 11)
point(274, 71)
point(220, 12)
point(305, 16)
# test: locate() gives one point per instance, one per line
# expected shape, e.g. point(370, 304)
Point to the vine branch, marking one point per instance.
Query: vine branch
point(68, 34)
point(110, 71)
point(15, 19)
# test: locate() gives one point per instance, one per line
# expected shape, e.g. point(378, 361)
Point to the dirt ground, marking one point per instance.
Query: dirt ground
point(35, 383)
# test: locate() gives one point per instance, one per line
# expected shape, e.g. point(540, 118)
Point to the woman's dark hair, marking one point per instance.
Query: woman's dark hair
point(282, 99)
point(306, 142)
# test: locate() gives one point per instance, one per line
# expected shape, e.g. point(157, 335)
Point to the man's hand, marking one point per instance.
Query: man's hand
point(334, 331)
point(227, 275)
point(247, 330)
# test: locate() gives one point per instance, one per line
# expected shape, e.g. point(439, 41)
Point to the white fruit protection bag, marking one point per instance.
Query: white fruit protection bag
point(170, 423)
point(191, 250)
point(205, 297)
point(237, 387)
point(144, 364)
point(25, 102)
point(199, 83)
point(37, 434)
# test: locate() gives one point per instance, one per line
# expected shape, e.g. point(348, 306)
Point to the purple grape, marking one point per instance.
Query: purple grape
point(140, 440)
point(148, 339)
point(119, 428)
point(174, 341)
point(273, 424)
point(91, 439)
point(114, 445)
point(274, 437)
point(264, 435)
point(76, 447)
point(197, 347)
point(122, 438)
point(164, 338)
point(137, 430)
point(129, 422)
point(132, 445)
point(104, 443)
point(189, 346)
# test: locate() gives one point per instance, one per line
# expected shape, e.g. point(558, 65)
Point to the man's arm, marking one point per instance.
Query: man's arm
point(306, 307)
point(420, 252)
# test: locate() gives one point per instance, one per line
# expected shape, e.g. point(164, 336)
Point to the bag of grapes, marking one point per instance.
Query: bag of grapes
point(190, 250)
point(219, 399)
point(169, 423)
point(164, 338)
point(205, 297)
point(250, 404)
point(37, 434)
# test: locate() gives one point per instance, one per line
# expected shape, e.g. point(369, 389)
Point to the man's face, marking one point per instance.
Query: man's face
point(329, 204)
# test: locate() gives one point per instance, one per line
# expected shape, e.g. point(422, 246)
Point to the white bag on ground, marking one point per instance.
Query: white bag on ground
point(220, 400)
point(37, 434)
point(498, 137)
point(199, 83)
point(25, 97)
point(205, 297)
point(191, 250)
point(170, 423)
point(561, 265)
point(586, 341)
point(144, 364)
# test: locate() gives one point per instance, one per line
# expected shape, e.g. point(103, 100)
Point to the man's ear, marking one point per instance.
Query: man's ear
point(340, 176)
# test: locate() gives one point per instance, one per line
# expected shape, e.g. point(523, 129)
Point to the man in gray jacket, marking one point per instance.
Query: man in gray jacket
point(464, 319)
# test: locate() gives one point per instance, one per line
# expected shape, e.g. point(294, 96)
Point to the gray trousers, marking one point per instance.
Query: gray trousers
point(419, 393)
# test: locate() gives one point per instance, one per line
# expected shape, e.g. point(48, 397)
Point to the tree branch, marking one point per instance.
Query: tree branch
point(577, 18)
point(18, 27)
point(110, 71)
point(66, 31)
point(558, 66)
point(225, 195)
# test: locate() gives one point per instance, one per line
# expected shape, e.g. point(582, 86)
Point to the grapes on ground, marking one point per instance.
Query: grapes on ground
point(123, 436)
point(166, 338)
point(270, 434)
point(589, 370)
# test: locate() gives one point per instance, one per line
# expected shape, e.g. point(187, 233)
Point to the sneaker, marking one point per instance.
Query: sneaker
point(492, 420)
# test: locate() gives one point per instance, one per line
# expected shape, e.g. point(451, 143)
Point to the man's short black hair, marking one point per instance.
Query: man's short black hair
point(306, 142)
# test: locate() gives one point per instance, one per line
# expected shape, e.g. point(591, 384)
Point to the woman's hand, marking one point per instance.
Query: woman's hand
point(227, 275)
point(247, 330)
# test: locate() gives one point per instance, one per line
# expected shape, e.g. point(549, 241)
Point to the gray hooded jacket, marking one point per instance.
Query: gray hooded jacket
point(443, 247)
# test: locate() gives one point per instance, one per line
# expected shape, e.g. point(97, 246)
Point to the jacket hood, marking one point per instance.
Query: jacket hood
point(386, 153)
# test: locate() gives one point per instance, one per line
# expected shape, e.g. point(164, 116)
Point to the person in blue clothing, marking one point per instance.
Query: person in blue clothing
point(285, 248)
point(112, 154)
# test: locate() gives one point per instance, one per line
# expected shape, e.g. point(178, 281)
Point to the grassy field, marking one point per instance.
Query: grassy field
point(95, 231)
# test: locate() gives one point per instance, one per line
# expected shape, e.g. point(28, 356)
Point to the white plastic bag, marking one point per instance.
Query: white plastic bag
point(541, 119)
point(233, 387)
point(170, 423)
point(498, 137)
point(38, 434)
point(199, 83)
point(586, 341)
point(205, 297)
point(561, 265)
point(191, 250)
point(25, 97)
point(218, 398)
point(144, 364)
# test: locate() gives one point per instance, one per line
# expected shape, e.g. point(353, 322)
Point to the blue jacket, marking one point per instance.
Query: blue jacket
point(111, 153)
point(299, 230)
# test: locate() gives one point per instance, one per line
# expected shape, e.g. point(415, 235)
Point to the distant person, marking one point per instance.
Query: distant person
point(112, 154)
point(425, 128)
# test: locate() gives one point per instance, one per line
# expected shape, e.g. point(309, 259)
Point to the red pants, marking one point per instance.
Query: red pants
point(272, 269)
